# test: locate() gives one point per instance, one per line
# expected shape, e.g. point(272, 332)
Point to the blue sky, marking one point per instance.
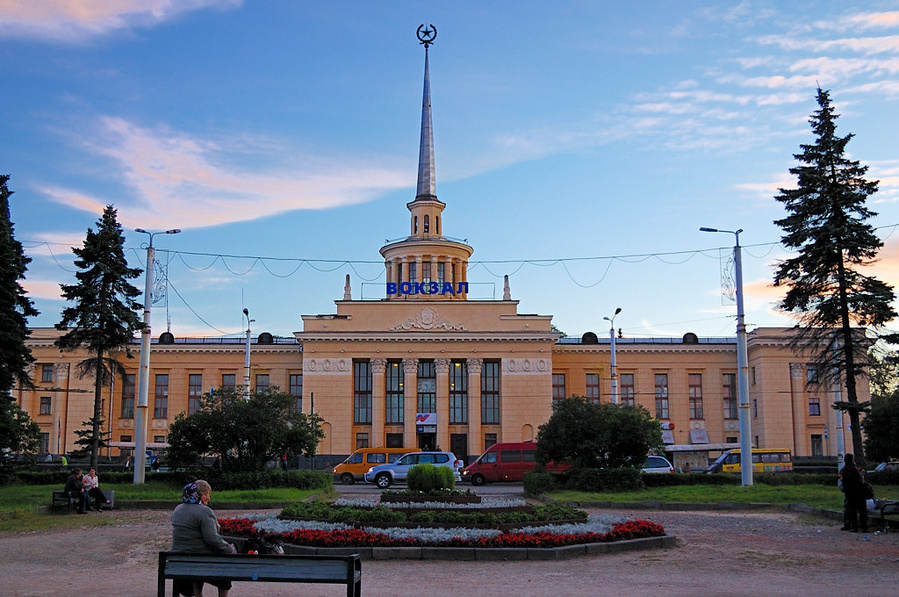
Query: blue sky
point(579, 147)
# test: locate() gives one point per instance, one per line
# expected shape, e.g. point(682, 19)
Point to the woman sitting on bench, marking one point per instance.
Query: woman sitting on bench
point(195, 529)
point(92, 490)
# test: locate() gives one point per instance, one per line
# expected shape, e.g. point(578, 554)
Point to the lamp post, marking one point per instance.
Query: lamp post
point(742, 364)
point(246, 364)
point(143, 388)
point(614, 370)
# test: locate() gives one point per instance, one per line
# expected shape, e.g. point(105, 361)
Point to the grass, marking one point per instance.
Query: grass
point(21, 505)
point(811, 495)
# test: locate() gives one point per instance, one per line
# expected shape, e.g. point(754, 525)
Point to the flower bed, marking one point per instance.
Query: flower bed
point(597, 529)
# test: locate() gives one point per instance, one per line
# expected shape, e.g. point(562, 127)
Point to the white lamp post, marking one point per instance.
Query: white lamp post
point(246, 365)
point(143, 388)
point(742, 364)
point(613, 367)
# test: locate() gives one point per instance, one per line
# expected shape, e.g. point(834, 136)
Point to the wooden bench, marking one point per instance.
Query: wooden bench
point(60, 499)
point(261, 568)
point(887, 511)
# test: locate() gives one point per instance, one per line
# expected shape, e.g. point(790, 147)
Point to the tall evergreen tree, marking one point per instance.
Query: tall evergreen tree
point(827, 223)
point(103, 318)
point(15, 308)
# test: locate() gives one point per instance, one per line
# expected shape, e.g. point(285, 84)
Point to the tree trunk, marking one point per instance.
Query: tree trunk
point(98, 398)
point(858, 447)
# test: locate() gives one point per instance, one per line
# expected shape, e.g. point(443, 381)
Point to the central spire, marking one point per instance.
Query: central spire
point(427, 182)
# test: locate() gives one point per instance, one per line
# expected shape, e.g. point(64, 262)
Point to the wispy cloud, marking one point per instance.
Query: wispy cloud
point(77, 20)
point(175, 177)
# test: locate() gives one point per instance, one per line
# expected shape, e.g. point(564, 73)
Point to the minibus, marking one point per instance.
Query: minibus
point(764, 460)
point(505, 462)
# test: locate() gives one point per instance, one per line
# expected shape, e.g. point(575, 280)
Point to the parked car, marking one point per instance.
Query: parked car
point(892, 465)
point(354, 467)
point(505, 462)
point(385, 475)
point(657, 464)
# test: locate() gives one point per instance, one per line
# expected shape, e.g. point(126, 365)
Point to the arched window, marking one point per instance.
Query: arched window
point(415, 225)
point(437, 225)
point(427, 224)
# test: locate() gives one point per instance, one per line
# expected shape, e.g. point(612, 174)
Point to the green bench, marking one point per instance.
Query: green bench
point(60, 499)
point(261, 568)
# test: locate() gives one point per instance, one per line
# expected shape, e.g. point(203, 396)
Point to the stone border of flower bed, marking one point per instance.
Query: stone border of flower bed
point(485, 554)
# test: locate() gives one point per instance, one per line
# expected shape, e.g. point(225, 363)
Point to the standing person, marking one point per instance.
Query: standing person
point(195, 529)
point(91, 485)
point(75, 489)
point(856, 510)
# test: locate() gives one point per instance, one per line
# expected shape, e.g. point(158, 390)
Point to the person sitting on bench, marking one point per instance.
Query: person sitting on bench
point(195, 529)
point(92, 490)
point(75, 489)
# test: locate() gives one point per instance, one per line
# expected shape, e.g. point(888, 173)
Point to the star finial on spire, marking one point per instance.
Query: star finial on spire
point(426, 35)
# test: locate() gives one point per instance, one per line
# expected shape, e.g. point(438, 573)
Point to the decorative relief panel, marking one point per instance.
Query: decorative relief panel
point(326, 365)
point(428, 319)
point(526, 365)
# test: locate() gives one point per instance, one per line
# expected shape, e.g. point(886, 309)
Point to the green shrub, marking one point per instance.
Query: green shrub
point(607, 479)
point(427, 478)
point(538, 483)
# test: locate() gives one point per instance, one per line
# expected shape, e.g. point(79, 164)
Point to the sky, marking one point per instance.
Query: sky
point(579, 147)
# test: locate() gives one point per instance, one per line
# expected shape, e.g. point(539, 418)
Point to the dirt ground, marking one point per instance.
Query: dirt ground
point(726, 554)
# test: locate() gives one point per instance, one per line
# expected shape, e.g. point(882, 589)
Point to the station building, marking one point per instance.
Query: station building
point(427, 367)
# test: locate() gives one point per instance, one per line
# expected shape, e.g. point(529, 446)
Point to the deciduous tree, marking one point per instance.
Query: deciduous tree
point(244, 434)
point(827, 223)
point(590, 435)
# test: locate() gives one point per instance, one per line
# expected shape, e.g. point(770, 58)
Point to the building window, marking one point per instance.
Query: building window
point(458, 392)
point(427, 386)
point(296, 390)
point(413, 272)
point(128, 396)
point(490, 374)
point(661, 392)
point(427, 224)
point(817, 445)
point(755, 409)
point(46, 405)
point(158, 439)
point(161, 397)
point(361, 440)
point(753, 375)
point(489, 440)
point(593, 387)
point(811, 374)
point(730, 395)
point(361, 391)
point(125, 439)
point(426, 272)
point(262, 382)
point(731, 439)
point(695, 382)
point(229, 381)
point(46, 373)
point(441, 271)
point(394, 382)
point(194, 392)
point(558, 386)
point(394, 440)
point(814, 407)
point(626, 391)
point(45, 443)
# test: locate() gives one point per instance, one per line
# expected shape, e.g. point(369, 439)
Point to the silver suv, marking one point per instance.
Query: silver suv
point(385, 475)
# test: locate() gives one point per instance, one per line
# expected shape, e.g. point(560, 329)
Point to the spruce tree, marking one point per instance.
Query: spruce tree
point(828, 225)
point(104, 316)
point(15, 308)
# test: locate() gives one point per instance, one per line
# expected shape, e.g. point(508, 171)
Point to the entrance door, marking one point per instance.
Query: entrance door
point(459, 446)
point(427, 441)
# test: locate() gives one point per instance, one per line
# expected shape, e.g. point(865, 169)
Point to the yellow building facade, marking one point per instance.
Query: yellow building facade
point(426, 367)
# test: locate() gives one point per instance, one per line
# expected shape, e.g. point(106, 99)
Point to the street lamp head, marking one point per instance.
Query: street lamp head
point(141, 230)
point(618, 310)
point(173, 231)
point(246, 312)
point(704, 229)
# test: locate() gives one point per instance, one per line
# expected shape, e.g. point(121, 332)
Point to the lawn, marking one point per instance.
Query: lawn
point(20, 504)
point(811, 495)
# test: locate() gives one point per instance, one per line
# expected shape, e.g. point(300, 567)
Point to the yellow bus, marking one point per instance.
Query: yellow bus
point(764, 460)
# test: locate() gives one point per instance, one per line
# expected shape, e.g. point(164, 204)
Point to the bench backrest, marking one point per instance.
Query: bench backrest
point(260, 568)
